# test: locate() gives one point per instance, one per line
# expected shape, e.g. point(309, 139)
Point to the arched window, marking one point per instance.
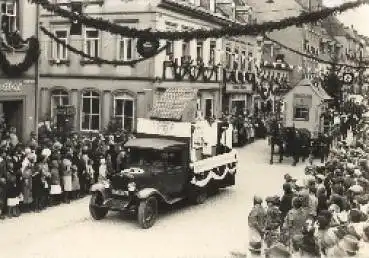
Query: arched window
point(90, 116)
point(59, 97)
point(124, 111)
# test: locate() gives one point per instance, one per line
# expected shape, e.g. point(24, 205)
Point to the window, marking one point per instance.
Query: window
point(209, 108)
point(213, 46)
point(200, 49)
point(170, 49)
point(9, 10)
point(92, 39)
point(58, 51)
point(124, 111)
point(126, 49)
point(58, 98)
point(228, 57)
point(243, 60)
point(301, 113)
point(90, 120)
point(186, 48)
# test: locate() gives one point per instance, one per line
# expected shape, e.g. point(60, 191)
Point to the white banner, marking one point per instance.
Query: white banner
point(165, 128)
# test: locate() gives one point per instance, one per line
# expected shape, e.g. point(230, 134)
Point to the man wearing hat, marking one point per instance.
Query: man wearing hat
point(256, 222)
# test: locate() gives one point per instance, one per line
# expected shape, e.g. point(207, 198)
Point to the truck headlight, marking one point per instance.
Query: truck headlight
point(131, 186)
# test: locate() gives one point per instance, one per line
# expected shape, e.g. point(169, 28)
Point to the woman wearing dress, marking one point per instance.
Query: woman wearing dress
point(67, 178)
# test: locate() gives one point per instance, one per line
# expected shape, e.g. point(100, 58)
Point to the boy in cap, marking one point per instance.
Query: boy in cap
point(256, 222)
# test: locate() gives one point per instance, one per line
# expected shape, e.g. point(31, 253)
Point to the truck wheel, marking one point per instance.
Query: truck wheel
point(201, 197)
point(147, 212)
point(96, 211)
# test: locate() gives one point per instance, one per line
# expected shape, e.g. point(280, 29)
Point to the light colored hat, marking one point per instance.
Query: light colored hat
point(356, 189)
point(27, 151)
point(357, 172)
point(46, 152)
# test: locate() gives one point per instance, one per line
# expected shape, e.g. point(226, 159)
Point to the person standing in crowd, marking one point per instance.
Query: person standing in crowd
point(27, 186)
point(256, 222)
point(12, 191)
point(76, 188)
point(67, 179)
point(3, 184)
point(55, 188)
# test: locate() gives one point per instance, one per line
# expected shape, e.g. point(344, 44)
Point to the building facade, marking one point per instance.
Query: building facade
point(101, 92)
point(18, 93)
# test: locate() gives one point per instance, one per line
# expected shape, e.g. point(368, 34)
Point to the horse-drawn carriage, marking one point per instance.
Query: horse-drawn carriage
point(302, 123)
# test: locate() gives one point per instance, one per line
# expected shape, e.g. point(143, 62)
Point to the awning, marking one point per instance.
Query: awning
point(153, 143)
point(172, 103)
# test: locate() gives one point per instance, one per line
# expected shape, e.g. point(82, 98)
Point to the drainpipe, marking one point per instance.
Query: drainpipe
point(37, 74)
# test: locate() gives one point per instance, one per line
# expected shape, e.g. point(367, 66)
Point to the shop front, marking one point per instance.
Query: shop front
point(239, 98)
point(96, 102)
point(17, 106)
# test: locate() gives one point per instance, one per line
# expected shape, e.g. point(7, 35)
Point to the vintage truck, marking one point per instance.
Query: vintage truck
point(168, 162)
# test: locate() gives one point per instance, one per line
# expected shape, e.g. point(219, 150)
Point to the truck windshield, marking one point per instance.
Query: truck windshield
point(141, 157)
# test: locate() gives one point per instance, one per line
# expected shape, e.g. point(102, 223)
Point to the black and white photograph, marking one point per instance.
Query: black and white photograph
point(184, 128)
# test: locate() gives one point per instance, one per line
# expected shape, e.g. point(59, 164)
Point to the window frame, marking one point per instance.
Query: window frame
point(212, 106)
point(98, 39)
point(200, 49)
point(14, 15)
point(307, 118)
point(212, 51)
point(125, 49)
point(54, 44)
point(59, 95)
point(91, 114)
point(125, 97)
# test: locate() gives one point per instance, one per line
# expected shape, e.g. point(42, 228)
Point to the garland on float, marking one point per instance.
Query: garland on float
point(31, 57)
point(315, 58)
point(98, 60)
point(234, 30)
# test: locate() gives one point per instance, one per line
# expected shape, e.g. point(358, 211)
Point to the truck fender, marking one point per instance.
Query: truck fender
point(99, 188)
point(147, 192)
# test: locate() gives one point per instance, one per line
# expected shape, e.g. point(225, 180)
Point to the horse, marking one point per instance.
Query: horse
point(291, 142)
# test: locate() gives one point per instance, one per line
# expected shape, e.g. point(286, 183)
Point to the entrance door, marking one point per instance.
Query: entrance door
point(13, 115)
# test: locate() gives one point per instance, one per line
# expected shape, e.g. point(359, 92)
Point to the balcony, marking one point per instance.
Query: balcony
point(190, 70)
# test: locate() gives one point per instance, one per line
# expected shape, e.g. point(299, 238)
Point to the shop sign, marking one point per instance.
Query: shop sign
point(11, 86)
point(164, 128)
point(245, 88)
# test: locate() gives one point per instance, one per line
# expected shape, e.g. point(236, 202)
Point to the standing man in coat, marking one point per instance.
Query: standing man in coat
point(2, 187)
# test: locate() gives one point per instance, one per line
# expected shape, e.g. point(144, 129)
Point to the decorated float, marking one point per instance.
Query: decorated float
point(177, 155)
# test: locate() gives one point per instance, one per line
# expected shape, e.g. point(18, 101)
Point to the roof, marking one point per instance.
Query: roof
point(198, 11)
point(316, 88)
point(333, 26)
point(172, 103)
point(153, 143)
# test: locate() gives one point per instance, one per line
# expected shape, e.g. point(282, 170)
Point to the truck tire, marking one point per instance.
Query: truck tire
point(147, 212)
point(96, 211)
point(199, 197)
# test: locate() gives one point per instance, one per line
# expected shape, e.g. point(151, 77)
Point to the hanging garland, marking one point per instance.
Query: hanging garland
point(31, 57)
point(315, 58)
point(234, 30)
point(99, 60)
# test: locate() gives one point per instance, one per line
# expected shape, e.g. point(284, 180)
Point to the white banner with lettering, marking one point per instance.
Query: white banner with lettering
point(165, 128)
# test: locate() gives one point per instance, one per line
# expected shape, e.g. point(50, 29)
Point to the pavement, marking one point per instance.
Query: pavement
point(213, 229)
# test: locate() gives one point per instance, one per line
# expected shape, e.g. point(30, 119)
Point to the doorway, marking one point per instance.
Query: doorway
point(13, 115)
